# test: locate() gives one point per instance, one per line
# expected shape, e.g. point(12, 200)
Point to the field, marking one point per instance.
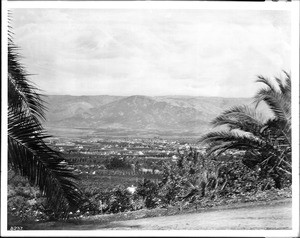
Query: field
point(107, 163)
point(109, 179)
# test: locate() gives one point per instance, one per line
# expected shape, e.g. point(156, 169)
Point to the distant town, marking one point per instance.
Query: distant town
point(138, 155)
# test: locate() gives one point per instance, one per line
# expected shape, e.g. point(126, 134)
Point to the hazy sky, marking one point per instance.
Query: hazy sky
point(152, 52)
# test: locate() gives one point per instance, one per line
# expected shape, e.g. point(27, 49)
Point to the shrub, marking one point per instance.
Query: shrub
point(116, 163)
point(148, 190)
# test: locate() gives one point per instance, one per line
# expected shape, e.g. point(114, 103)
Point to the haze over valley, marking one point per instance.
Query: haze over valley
point(136, 115)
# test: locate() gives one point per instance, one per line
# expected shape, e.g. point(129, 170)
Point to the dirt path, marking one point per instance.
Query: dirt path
point(275, 216)
point(264, 215)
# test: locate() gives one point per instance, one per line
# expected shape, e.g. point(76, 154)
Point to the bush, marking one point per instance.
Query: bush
point(116, 163)
point(25, 203)
point(148, 190)
point(120, 201)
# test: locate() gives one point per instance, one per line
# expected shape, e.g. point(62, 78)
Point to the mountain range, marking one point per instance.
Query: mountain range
point(139, 114)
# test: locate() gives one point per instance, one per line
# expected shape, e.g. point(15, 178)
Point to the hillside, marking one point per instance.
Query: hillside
point(181, 115)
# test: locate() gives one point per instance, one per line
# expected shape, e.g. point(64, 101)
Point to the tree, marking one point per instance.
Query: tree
point(265, 141)
point(28, 154)
point(148, 190)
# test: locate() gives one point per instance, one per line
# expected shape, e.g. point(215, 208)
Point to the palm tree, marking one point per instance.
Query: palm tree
point(265, 141)
point(28, 154)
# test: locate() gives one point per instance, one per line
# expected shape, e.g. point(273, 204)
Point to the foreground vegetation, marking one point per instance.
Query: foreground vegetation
point(265, 141)
point(192, 182)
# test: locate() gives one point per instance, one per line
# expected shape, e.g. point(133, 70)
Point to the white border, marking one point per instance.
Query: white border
point(291, 6)
point(4, 104)
point(295, 114)
point(218, 5)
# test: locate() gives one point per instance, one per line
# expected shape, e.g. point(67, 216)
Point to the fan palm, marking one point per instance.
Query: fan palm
point(265, 141)
point(28, 154)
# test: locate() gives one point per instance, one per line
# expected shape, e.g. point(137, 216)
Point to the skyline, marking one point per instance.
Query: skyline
point(152, 52)
point(141, 95)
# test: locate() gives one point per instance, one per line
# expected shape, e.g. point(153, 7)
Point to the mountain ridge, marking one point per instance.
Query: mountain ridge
point(183, 114)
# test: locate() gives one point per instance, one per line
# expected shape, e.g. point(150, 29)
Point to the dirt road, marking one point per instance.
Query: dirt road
point(274, 216)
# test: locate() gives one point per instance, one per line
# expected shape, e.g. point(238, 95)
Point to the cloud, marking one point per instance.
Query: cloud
point(152, 52)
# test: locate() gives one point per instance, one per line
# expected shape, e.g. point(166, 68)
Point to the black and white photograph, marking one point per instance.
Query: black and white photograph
point(150, 118)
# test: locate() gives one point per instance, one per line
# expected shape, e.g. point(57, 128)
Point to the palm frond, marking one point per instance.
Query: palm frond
point(278, 99)
point(280, 106)
point(22, 96)
point(32, 158)
point(242, 118)
point(270, 85)
point(222, 141)
point(284, 84)
point(280, 84)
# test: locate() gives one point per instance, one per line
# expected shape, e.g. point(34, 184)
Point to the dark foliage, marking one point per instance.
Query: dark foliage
point(148, 190)
point(266, 142)
point(116, 163)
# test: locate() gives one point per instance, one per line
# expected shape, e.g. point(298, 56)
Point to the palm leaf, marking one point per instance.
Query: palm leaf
point(267, 82)
point(284, 84)
point(23, 95)
point(32, 158)
point(278, 100)
point(242, 118)
point(222, 141)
